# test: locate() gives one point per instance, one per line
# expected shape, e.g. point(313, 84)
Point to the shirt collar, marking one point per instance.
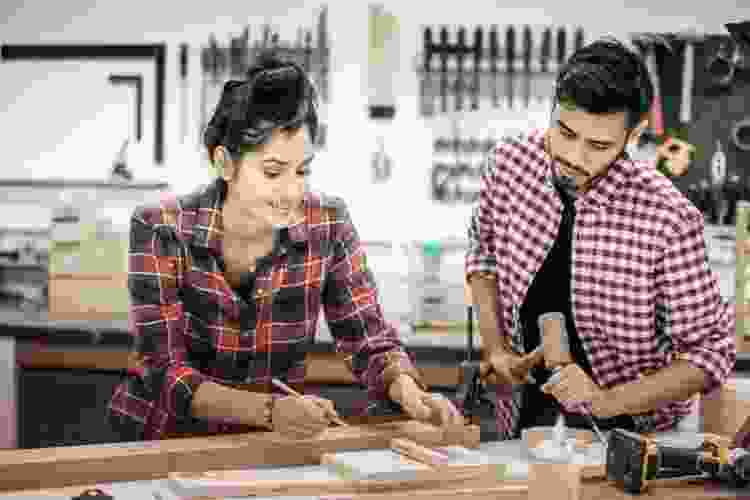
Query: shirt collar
point(605, 188)
point(208, 229)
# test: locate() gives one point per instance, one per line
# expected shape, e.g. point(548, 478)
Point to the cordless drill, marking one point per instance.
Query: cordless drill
point(634, 461)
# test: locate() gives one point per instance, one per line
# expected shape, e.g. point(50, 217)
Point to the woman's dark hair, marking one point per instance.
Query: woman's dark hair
point(275, 93)
point(606, 76)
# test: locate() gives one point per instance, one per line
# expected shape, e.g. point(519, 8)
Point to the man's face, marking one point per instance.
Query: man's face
point(583, 144)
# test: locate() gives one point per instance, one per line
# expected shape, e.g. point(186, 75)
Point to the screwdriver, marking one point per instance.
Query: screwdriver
point(556, 344)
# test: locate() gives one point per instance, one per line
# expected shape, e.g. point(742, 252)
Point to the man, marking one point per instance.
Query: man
point(567, 222)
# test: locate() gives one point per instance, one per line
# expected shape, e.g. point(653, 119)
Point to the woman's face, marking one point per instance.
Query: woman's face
point(269, 181)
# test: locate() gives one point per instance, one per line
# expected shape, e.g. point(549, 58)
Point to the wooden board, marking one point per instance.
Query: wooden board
point(70, 465)
point(322, 367)
point(590, 490)
point(243, 483)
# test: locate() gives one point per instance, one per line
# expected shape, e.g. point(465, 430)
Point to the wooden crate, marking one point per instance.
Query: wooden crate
point(88, 296)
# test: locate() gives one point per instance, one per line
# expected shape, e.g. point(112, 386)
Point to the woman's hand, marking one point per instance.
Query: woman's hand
point(424, 406)
point(302, 417)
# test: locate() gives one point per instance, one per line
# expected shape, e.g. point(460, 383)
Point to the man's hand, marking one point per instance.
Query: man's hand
point(575, 386)
point(421, 405)
point(508, 368)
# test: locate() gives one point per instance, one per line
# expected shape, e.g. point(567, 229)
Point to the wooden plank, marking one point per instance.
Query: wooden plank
point(246, 483)
point(592, 489)
point(70, 465)
point(322, 368)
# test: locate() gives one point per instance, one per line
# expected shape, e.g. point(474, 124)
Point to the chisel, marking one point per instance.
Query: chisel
point(527, 48)
point(476, 88)
point(510, 62)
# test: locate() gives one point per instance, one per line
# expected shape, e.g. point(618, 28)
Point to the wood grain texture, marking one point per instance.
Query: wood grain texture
point(590, 490)
point(322, 368)
point(70, 465)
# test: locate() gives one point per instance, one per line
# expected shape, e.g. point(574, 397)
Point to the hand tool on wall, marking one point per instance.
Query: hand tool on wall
point(307, 52)
point(545, 84)
point(579, 41)
point(690, 38)
point(211, 63)
point(443, 54)
point(528, 46)
point(741, 134)
point(494, 56)
point(183, 92)
point(718, 179)
point(647, 44)
point(476, 90)
point(722, 64)
point(732, 194)
point(323, 54)
point(562, 50)
point(135, 81)
point(560, 45)
point(238, 54)
point(741, 34)
point(460, 85)
point(510, 65)
point(427, 87)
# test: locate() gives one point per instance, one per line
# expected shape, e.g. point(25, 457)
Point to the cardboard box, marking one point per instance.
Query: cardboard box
point(87, 296)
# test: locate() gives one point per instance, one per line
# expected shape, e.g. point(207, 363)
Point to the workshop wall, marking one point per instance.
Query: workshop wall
point(61, 119)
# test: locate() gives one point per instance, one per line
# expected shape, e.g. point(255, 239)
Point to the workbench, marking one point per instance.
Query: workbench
point(86, 359)
point(513, 486)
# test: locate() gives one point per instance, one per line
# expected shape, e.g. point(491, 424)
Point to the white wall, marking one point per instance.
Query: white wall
point(62, 119)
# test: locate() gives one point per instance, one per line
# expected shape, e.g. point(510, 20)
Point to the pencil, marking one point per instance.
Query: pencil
point(281, 385)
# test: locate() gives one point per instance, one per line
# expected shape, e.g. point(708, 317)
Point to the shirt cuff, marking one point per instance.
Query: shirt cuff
point(386, 368)
point(716, 366)
point(183, 382)
point(481, 264)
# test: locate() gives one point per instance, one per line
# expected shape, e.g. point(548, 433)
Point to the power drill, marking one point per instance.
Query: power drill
point(472, 394)
point(634, 461)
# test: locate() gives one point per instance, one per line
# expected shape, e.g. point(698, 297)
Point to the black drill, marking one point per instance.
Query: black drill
point(471, 394)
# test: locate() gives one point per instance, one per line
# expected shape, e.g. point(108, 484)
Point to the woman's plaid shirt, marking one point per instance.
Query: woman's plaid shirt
point(189, 325)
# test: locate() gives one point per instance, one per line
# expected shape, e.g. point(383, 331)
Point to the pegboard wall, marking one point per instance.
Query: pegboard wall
point(715, 109)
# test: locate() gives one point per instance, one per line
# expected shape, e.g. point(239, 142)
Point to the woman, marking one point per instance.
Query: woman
point(226, 284)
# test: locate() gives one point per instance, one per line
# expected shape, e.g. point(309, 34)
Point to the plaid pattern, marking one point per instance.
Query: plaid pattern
point(190, 326)
point(642, 290)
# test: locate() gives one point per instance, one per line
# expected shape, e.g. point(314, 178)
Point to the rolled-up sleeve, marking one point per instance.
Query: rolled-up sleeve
point(481, 254)
point(700, 323)
point(354, 314)
point(158, 326)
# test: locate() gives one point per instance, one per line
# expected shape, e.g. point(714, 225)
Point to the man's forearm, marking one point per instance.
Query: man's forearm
point(484, 293)
point(676, 382)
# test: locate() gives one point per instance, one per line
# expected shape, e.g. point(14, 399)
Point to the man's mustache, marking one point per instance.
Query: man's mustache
point(572, 167)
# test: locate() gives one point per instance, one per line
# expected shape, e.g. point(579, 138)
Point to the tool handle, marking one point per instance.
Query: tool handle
point(685, 460)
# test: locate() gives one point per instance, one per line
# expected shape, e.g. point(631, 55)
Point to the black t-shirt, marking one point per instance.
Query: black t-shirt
point(550, 291)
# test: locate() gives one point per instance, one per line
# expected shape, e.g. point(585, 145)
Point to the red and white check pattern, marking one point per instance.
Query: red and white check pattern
point(642, 290)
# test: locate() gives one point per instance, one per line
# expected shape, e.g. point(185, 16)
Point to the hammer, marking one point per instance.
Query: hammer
point(690, 37)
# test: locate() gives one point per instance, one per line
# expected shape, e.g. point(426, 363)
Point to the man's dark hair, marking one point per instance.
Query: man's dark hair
point(275, 93)
point(606, 76)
